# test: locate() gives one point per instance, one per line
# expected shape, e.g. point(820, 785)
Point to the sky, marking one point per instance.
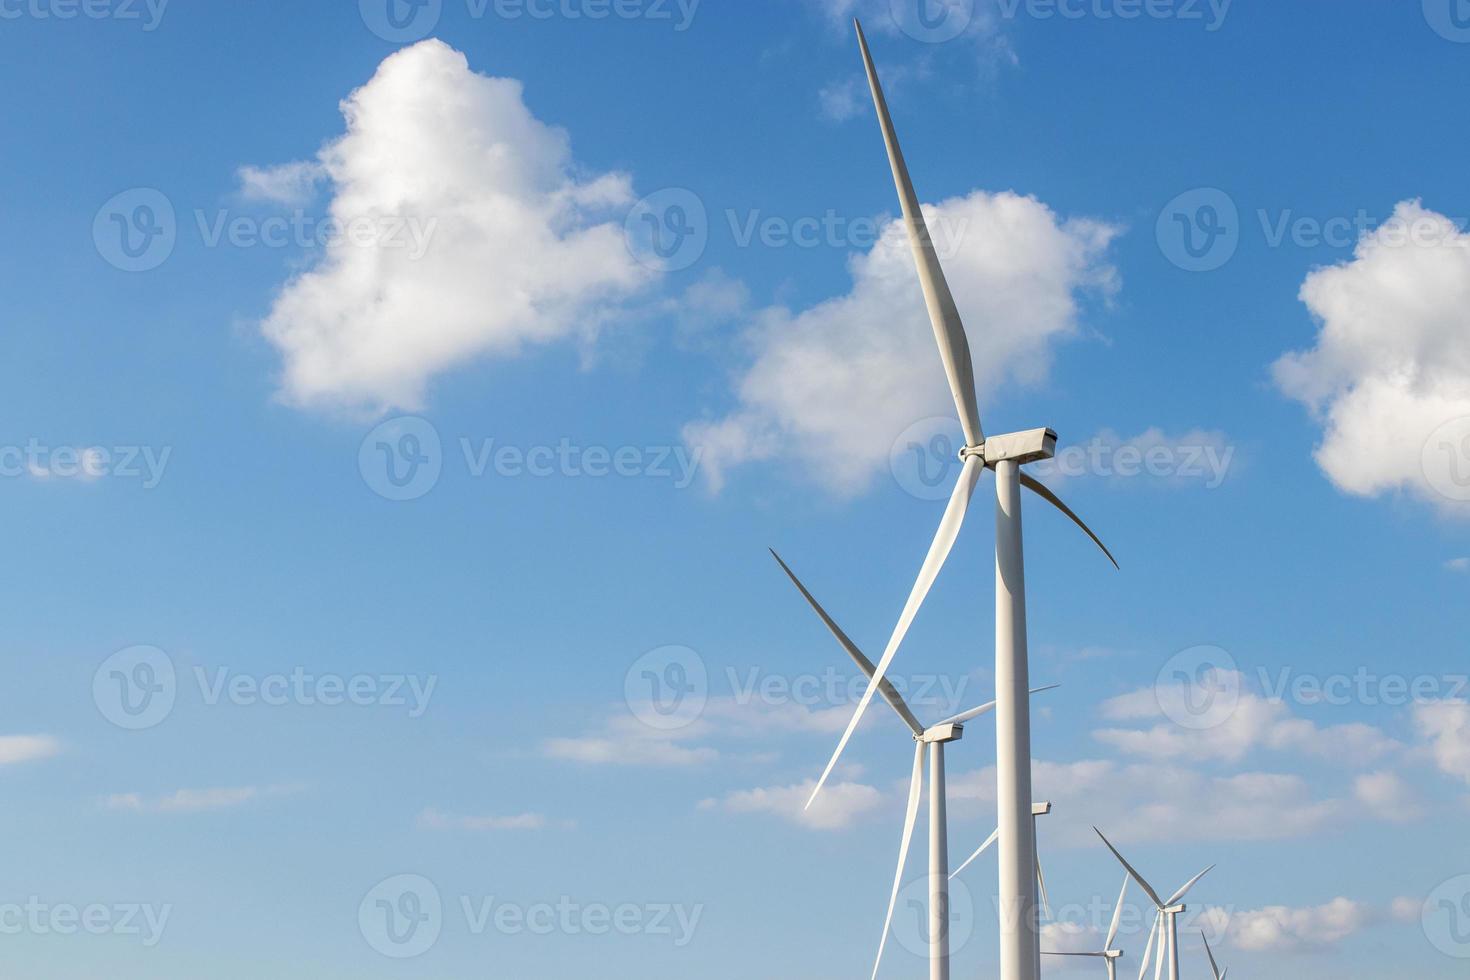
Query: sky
point(401, 399)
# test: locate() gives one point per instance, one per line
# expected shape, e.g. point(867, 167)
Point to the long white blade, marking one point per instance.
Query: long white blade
point(916, 789)
point(885, 687)
point(988, 707)
point(944, 539)
point(1041, 884)
point(972, 858)
point(1044, 492)
point(1179, 895)
point(1148, 952)
point(1166, 949)
point(1214, 967)
point(1148, 889)
point(949, 331)
point(1117, 915)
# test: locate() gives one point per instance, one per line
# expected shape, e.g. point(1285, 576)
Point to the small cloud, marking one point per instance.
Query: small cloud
point(841, 101)
point(1279, 929)
point(1387, 797)
point(837, 808)
point(1461, 565)
point(195, 800)
point(432, 819)
point(288, 183)
point(27, 748)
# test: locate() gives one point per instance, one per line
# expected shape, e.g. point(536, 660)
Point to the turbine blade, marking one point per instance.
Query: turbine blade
point(1214, 967)
point(981, 850)
point(1041, 884)
point(988, 707)
point(1042, 491)
point(1153, 935)
point(885, 687)
point(949, 331)
point(1179, 895)
point(1166, 950)
point(916, 789)
point(1147, 888)
point(1117, 915)
point(944, 539)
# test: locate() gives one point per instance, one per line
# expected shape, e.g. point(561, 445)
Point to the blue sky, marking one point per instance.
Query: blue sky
point(388, 449)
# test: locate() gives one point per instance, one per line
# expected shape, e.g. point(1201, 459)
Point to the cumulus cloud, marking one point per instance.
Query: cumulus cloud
point(1387, 796)
point(519, 247)
point(1280, 929)
point(1445, 726)
point(27, 748)
point(287, 183)
point(1391, 365)
point(839, 806)
point(1238, 725)
point(832, 386)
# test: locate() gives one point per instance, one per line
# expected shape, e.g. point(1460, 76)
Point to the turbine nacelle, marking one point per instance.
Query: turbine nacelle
point(1031, 446)
point(941, 734)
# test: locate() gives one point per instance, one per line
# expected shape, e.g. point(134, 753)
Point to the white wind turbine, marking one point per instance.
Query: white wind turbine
point(1167, 918)
point(1214, 967)
point(1108, 954)
point(1040, 897)
point(930, 741)
point(1006, 454)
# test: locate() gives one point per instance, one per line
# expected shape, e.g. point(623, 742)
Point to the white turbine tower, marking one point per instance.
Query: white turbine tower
point(1108, 954)
point(1214, 967)
point(1043, 902)
point(931, 742)
point(1020, 940)
point(1167, 918)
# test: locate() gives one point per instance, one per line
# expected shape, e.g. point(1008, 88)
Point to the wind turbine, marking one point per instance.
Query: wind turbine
point(931, 742)
point(1005, 454)
point(1108, 954)
point(1043, 902)
point(1168, 917)
point(1214, 967)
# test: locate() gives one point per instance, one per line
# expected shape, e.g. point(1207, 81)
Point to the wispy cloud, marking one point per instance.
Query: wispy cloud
point(432, 819)
point(27, 748)
point(196, 800)
point(838, 808)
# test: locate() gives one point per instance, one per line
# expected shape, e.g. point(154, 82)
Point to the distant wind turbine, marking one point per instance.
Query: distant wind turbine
point(1214, 967)
point(1108, 954)
point(1167, 918)
point(1006, 454)
point(930, 741)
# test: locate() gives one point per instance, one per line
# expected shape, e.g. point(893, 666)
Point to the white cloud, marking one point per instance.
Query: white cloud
point(195, 800)
point(1445, 725)
point(629, 750)
point(841, 101)
point(519, 249)
point(839, 806)
point(432, 819)
point(1280, 929)
point(1237, 729)
point(1387, 796)
point(832, 386)
point(288, 183)
point(1392, 360)
point(27, 748)
point(1458, 565)
point(1159, 802)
